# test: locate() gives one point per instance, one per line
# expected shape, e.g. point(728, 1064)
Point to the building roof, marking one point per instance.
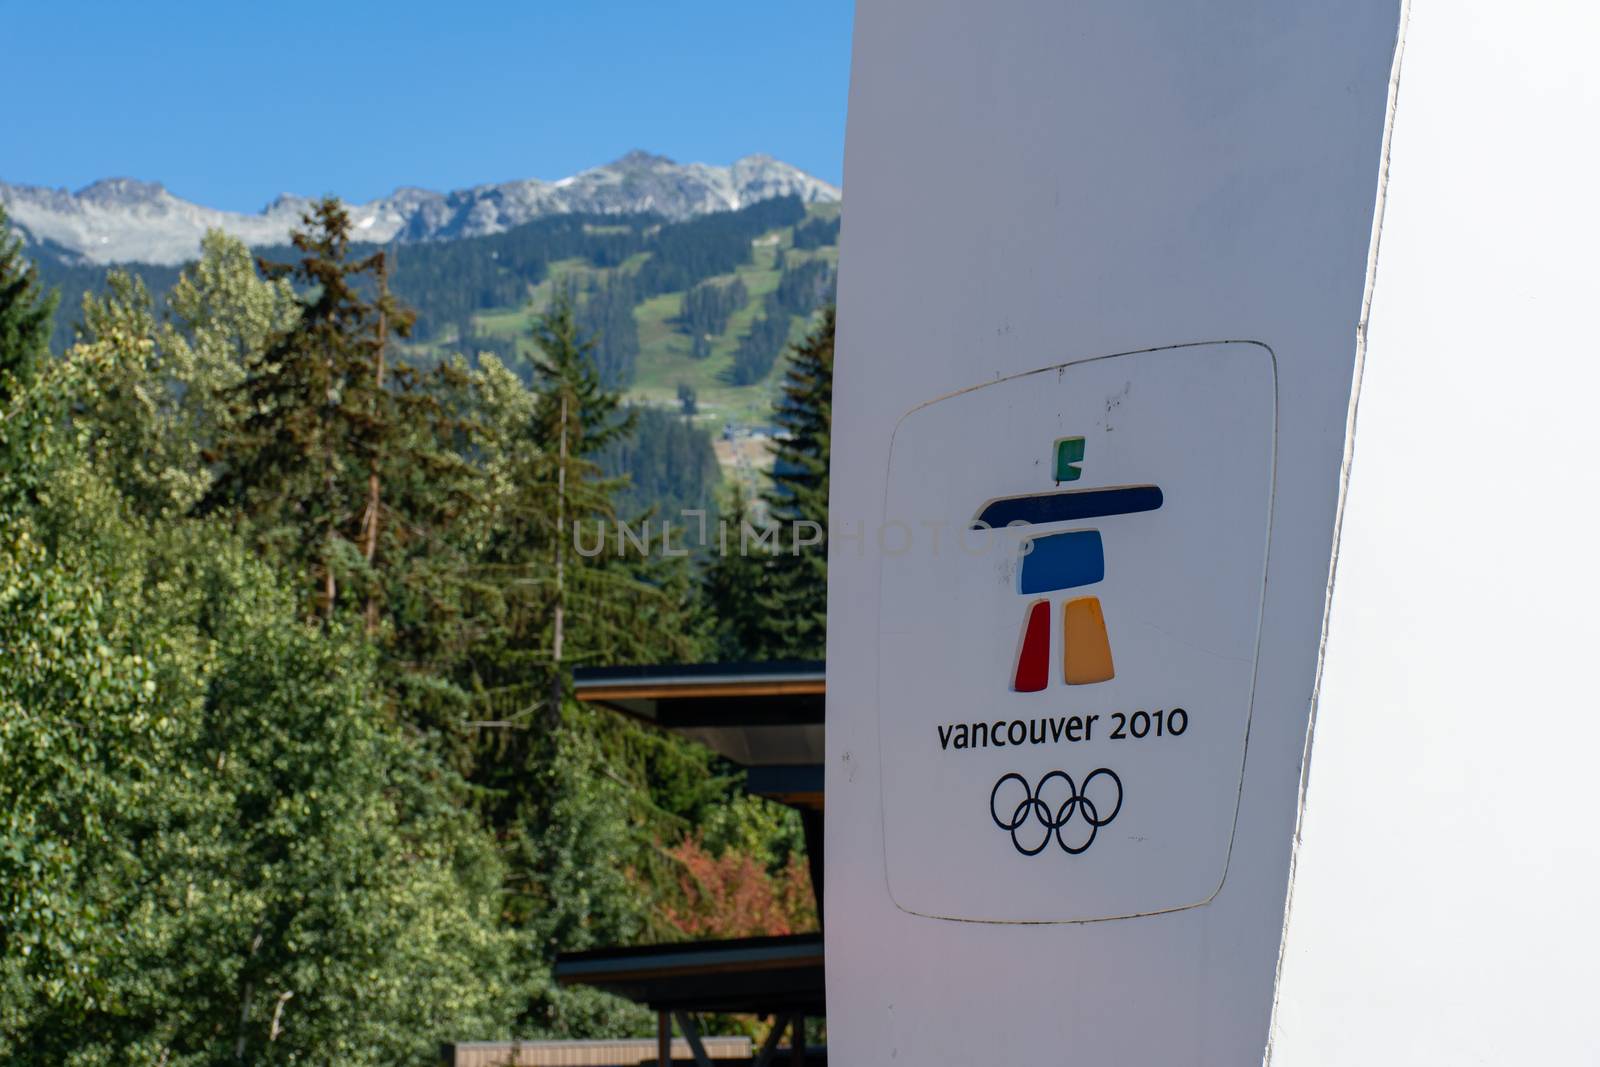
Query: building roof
point(799, 675)
point(755, 714)
point(753, 974)
point(767, 717)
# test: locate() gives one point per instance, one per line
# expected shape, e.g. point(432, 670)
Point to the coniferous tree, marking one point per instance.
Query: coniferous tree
point(568, 790)
point(670, 465)
point(802, 289)
point(318, 421)
point(557, 606)
point(575, 418)
point(704, 310)
point(606, 317)
point(25, 319)
point(770, 605)
point(816, 233)
point(794, 595)
point(731, 586)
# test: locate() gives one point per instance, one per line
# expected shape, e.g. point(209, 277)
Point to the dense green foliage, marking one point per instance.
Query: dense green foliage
point(219, 846)
point(289, 769)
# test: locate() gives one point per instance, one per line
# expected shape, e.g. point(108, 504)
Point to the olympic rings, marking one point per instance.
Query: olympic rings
point(1045, 818)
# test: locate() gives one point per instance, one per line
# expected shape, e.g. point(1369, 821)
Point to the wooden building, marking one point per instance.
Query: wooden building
point(768, 719)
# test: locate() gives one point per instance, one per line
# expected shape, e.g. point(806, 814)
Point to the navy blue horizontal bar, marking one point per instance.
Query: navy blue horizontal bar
point(1069, 505)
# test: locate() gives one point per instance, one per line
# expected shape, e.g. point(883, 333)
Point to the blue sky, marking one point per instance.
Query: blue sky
point(229, 104)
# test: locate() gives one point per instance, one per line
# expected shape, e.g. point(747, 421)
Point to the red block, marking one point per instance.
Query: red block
point(1033, 658)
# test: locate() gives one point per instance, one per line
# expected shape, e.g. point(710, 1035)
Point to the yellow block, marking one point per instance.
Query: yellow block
point(1086, 650)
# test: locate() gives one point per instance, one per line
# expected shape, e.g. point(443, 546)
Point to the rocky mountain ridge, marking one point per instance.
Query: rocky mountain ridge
point(121, 220)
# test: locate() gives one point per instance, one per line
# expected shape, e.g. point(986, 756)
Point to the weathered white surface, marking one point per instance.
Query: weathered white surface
point(1444, 906)
point(1134, 177)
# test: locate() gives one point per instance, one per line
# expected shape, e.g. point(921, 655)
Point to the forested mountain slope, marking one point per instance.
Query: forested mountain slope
point(689, 315)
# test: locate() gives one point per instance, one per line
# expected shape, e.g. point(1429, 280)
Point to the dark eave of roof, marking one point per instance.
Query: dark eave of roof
point(805, 668)
point(798, 785)
point(754, 714)
point(676, 696)
point(756, 974)
point(685, 683)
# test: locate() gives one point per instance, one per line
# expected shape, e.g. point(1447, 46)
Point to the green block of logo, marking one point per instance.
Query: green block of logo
point(1069, 453)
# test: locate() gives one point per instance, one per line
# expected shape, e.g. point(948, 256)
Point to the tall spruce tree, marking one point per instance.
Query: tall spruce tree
point(317, 420)
point(557, 606)
point(25, 319)
point(576, 417)
point(565, 788)
point(793, 594)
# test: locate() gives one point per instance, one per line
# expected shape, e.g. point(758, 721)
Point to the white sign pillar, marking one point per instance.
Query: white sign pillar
point(1102, 282)
point(1103, 322)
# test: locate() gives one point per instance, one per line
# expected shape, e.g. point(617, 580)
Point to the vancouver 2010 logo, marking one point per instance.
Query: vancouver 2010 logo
point(1054, 562)
point(1059, 809)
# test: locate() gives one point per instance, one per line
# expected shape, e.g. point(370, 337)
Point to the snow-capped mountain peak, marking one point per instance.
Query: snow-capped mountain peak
point(124, 220)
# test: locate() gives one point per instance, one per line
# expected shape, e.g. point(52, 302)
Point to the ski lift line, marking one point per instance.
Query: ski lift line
point(1068, 505)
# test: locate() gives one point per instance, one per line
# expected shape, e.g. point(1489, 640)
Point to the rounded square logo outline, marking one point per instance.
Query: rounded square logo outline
point(1255, 667)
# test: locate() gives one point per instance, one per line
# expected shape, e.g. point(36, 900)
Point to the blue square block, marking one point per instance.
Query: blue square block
point(1062, 561)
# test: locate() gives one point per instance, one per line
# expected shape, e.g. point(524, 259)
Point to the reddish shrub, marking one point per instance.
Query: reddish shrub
point(733, 895)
